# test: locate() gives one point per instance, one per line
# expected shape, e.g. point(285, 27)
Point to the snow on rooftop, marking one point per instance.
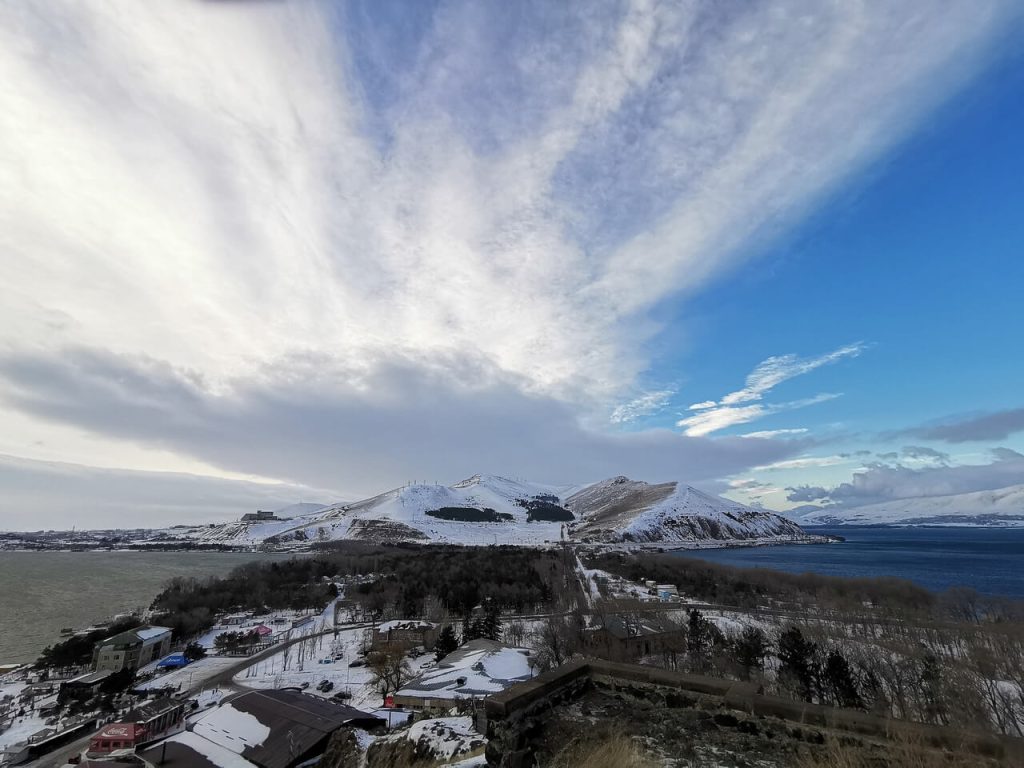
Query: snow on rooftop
point(216, 754)
point(148, 633)
point(477, 668)
point(232, 728)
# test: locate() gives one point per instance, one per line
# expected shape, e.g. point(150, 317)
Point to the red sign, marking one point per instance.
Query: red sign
point(389, 701)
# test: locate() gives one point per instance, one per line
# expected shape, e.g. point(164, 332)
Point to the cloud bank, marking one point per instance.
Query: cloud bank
point(887, 482)
point(348, 243)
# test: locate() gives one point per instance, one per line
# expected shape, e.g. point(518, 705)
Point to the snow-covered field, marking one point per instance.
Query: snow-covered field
point(323, 658)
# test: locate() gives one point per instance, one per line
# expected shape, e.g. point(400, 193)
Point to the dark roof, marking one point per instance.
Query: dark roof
point(88, 679)
point(644, 626)
point(299, 724)
point(145, 712)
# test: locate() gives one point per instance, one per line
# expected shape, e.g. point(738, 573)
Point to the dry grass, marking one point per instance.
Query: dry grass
point(901, 753)
point(617, 751)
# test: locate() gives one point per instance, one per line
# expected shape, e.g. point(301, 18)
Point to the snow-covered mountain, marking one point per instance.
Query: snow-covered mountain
point(999, 508)
point(488, 509)
point(627, 510)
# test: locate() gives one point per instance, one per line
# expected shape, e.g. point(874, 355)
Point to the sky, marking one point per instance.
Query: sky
point(254, 253)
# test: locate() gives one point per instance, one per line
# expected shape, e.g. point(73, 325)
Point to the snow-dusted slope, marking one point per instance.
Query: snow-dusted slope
point(1003, 508)
point(627, 510)
point(489, 509)
point(401, 514)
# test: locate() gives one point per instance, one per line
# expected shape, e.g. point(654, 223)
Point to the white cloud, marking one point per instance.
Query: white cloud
point(732, 409)
point(720, 417)
point(645, 405)
point(768, 434)
point(219, 187)
point(806, 462)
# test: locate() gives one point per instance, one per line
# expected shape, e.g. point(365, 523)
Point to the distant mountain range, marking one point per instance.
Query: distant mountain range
point(487, 509)
point(999, 508)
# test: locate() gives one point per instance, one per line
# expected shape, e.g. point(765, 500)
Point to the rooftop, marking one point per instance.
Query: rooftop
point(271, 729)
point(139, 634)
point(479, 668)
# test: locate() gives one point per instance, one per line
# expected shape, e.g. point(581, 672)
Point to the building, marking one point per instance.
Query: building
point(667, 591)
point(259, 516)
point(630, 637)
point(265, 729)
point(84, 686)
point(405, 633)
point(132, 649)
point(475, 671)
point(140, 726)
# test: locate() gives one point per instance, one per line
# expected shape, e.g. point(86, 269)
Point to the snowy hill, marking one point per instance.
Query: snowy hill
point(1000, 508)
point(489, 509)
point(627, 510)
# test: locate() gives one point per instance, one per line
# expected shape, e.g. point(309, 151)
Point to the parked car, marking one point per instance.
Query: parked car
point(342, 696)
point(304, 686)
point(357, 663)
point(322, 684)
point(328, 688)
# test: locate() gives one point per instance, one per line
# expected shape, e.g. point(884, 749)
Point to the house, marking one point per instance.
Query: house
point(132, 649)
point(235, 619)
point(141, 725)
point(627, 636)
point(405, 633)
point(265, 729)
point(84, 686)
point(475, 671)
point(667, 591)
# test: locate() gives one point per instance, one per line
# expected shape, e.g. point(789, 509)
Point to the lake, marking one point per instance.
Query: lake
point(41, 592)
point(989, 560)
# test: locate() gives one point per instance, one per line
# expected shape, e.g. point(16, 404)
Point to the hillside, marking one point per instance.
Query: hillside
point(489, 509)
point(624, 510)
point(999, 508)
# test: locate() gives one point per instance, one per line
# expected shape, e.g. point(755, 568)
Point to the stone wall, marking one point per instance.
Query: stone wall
point(513, 717)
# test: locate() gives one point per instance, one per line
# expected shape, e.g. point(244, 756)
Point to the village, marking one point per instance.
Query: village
point(360, 681)
point(315, 671)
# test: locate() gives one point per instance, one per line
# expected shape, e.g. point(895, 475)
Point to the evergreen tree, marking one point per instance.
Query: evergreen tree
point(194, 652)
point(698, 640)
point(446, 642)
point(750, 649)
point(798, 665)
point(470, 628)
point(839, 682)
point(490, 623)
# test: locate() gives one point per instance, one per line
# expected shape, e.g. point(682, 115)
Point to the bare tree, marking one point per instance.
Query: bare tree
point(389, 669)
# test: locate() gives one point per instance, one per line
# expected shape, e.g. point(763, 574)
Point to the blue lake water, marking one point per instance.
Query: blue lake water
point(987, 559)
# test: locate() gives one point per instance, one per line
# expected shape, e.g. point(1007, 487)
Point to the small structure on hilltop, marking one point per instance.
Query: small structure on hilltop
point(475, 671)
point(259, 516)
point(265, 729)
point(405, 633)
point(132, 649)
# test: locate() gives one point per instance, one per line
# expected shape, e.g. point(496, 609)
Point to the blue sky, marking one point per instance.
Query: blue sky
point(919, 256)
point(308, 251)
